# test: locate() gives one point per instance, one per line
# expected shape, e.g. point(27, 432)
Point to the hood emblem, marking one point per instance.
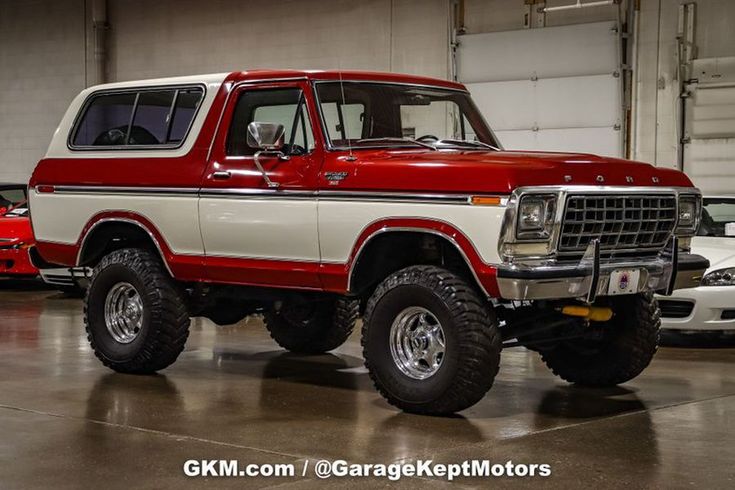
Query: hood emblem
point(600, 179)
point(629, 179)
point(655, 180)
point(567, 178)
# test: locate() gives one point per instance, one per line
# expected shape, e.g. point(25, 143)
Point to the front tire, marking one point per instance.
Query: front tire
point(628, 344)
point(135, 316)
point(431, 345)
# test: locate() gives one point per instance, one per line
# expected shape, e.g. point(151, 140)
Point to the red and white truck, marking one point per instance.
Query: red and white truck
point(318, 197)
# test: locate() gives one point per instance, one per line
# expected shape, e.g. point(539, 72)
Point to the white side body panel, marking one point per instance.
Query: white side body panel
point(341, 223)
point(277, 229)
point(61, 218)
point(282, 229)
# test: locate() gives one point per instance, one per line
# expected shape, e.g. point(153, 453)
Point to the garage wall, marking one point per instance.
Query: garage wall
point(658, 113)
point(543, 89)
point(38, 80)
point(507, 15)
point(545, 81)
point(168, 37)
point(43, 42)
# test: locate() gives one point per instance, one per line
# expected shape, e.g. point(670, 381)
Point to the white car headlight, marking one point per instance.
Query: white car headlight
point(721, 277)
point(536, 217)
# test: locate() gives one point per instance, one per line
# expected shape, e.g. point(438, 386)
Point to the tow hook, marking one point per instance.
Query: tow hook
point(591, 313)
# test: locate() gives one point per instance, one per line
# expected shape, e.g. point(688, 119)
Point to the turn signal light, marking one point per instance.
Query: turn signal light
point(486, 200)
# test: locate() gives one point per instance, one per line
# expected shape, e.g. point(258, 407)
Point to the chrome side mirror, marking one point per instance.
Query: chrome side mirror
point(265, 136)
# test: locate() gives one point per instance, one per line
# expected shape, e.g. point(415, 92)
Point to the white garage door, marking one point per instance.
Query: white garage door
point(709, 155)
point(555, 88)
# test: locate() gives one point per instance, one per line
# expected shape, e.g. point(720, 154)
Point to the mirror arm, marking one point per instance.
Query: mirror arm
point(267, 179)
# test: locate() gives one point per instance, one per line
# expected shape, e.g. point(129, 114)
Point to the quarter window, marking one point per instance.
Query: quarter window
point(144, 118)
point(187, 103)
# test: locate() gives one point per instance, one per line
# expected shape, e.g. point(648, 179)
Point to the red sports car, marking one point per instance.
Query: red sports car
point(16, 235)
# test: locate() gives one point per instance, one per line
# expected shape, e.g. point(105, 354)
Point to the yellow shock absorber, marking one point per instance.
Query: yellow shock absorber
point(591, 313)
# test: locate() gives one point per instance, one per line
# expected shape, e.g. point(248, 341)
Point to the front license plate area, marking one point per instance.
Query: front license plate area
point(624, 281)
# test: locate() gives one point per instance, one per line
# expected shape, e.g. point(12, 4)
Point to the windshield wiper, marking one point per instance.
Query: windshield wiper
point(396, 140)
point(476, 144)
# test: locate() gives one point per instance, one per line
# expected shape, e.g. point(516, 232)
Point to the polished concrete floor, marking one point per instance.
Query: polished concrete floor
point(67, 422)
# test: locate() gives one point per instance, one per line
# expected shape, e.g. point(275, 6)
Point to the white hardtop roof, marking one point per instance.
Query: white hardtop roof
point(206, 79)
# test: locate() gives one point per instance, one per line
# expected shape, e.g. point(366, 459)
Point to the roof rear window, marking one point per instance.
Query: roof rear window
point(151, 118)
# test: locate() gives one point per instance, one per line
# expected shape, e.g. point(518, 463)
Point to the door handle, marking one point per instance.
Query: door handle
point(221, 175)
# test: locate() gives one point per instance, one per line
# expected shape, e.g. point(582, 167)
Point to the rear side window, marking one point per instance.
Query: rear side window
point(106, 120)
point(187, 103)
point(135, 119)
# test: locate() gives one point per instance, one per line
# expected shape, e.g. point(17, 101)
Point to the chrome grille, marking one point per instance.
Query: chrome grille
point(621, 222)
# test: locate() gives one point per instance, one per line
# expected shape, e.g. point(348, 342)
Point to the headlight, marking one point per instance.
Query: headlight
point(721, 277)
point(688, 219)
point(535, 217)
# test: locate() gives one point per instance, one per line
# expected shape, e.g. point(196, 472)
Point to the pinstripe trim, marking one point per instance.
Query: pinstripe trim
point(234, 193)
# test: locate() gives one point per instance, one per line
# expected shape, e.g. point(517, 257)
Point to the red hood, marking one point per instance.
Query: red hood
point(498, 172)
point(16, 228)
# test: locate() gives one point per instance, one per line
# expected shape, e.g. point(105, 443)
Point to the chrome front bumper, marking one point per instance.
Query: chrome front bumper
point(590, 277)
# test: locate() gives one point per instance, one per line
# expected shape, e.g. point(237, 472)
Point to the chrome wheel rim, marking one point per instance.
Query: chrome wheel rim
point(123, 312)
point(417, 343)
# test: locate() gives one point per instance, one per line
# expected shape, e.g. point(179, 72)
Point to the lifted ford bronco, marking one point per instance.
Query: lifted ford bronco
point(314, 198)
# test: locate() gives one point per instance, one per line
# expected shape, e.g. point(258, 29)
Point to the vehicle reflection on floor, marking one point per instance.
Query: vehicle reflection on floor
point(234, 393)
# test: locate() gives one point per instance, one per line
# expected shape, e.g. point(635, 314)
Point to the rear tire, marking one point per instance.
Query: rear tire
point(629, 342)
point(134, 313)
point(431, 344)
point(312, 327)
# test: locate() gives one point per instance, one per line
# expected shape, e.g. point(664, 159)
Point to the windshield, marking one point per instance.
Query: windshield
point(11, 197)
point(368, 115)
point(718, 218)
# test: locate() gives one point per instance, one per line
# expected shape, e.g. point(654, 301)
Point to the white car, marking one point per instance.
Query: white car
point(709, 308)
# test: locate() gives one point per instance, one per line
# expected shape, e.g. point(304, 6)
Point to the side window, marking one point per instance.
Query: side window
point(281, 106)
point(105, 123)
point(138, 118)
point(187, 103)
point(151, 118)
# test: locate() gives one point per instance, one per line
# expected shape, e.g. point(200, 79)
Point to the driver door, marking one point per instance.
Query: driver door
point(253, 233)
